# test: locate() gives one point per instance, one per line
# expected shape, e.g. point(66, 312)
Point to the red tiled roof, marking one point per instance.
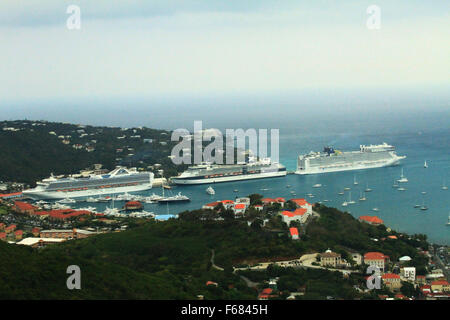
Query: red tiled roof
point(24, 205)
point(239, 206)
point(18, 232)
point(279, 199)
point(211, 283)
point(439, 283)
point(2, 235)
point(300, 202)
point(227, 201)
point(11, 227)
point(212, 204)
point(294, 231)
point(390, 276)
point(267, 291)
point(392, 237)
point(374, 256)
point(371, 219)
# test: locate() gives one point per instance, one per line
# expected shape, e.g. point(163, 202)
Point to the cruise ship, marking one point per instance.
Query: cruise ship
point(120, 180)
point(214, 173)
point(330, 160)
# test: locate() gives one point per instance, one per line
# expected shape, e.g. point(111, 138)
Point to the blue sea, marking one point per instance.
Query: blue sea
point(396, 208)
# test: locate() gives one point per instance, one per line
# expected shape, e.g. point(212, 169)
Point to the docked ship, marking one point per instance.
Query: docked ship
point(214, 173)
point(119, 180)
point(331, 160)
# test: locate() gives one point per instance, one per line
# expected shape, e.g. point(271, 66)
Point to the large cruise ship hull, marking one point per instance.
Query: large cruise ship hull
point(190, 181)
point(38, 195)
point(350, 167)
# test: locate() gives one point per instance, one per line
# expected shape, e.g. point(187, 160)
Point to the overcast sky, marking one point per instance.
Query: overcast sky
point(176, 48)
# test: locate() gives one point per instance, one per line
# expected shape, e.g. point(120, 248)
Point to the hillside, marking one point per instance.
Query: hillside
point(31, 150)
point(171, 259)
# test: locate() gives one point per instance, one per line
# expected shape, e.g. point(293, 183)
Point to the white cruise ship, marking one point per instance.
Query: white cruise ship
point(330, 160)
point(119, 180)
point(214, 173)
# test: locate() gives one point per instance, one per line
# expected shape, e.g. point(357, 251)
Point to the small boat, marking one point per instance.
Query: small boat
point(264, 189)
point(91, 199)
point(425, 165)
point(318, 185)
point(424, 192)
point(448, 222)
point(395, 185)
point(236, 190)
point(67, 201)
point(423, 207)
point(346, 189)
point(444, 187)
point(345, 203)
point(354, 181)
point(350, 199)
point(288, 186)
point(177, 198)
point(104, 199)
point(210, 190)
point(401, 189)
point(362, 197)
point(341, 193)
point(417, 206)
point(375, 209)
point(402, 179)
point(166, 186)
point(367, 188)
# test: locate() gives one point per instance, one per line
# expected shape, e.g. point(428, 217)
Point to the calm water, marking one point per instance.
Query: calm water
point(396, 208)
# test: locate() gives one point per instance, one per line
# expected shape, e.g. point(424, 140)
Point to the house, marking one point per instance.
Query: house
point(239, 208)
point(294, 233)
point(300, 215)
point(408, 273)
point(35, 231)
point(18, 234)
point(376, 259)
point(10, 228)
point(373, 220)
point(258, 207)
point(440, 286)
point(357, 257)
point(302, 203)
point(330, 259)
point(3, 236)
point(392, 281)
point(228, 204)
point(244, 200)
point(211, 283)
point(23, 207)
point(211, 206)
point(266, 294)
point(421, 279)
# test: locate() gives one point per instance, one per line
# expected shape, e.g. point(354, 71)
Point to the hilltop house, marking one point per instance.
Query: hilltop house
point(330, 259)
point(376, 259)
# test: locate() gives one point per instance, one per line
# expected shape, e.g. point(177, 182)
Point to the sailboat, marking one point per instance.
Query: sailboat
point(444, 187)
point(350, 201)
point(362, 197)
point(367, 188)
point(395, 185)
point(425, 165)
point(402, 179)
point(354, 181)
point(448, 222)
point(423, 207)
point(210, 190)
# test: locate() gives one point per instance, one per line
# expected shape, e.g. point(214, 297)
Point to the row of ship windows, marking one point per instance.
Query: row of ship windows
point(100, 187)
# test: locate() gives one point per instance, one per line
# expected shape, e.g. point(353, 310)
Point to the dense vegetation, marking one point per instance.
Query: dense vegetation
point(31, 153)
point(171, 259)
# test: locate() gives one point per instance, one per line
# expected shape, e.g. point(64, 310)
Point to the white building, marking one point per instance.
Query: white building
point(408, 273)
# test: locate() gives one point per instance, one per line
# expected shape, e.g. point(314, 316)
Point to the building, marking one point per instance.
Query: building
point(244, 200)
point(66, 234)
point(391, 281)
point(330, 259)
point(239, 208)
point(23, 207)
point(371, 220)
point(357, 257)
point(408, 273)
point(3, 236)
point(10, 228)
point(300, 215)
point(376, 259)
point(35, 231)
point(39, 242)
point(294, 233)
point(18, 234)
point(440, 286)
point(266, 294)
point(302, 203)
point(2, 226)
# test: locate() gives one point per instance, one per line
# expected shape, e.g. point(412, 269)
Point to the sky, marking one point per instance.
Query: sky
point(179, 57)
